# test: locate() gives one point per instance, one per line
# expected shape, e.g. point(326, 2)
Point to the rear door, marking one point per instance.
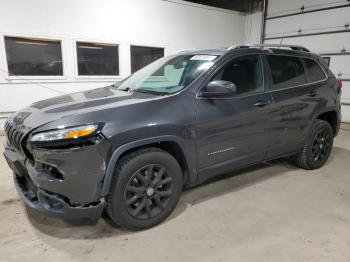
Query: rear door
point(232, 131)
point(295, 98)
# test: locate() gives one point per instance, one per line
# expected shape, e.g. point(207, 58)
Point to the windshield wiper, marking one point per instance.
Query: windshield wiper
point(127, 89)
point(170, 87)
point(147, 91)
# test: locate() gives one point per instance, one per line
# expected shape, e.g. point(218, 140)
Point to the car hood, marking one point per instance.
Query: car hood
point(60, 107)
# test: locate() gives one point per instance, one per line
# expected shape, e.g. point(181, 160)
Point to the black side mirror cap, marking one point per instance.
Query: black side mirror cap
point(218, 88)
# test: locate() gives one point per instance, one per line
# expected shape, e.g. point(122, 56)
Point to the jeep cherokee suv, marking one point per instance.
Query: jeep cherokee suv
point(130, 148)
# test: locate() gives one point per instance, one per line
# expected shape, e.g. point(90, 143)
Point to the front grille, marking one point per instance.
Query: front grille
point(14, 135)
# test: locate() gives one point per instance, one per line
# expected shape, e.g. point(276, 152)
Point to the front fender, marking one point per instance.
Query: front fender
point(143, 142)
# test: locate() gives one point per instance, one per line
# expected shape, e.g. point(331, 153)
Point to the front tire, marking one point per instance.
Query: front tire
point(318, 147)
point(145, 189)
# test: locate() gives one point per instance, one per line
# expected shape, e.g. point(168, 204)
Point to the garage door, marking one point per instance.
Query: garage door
point(320, 25)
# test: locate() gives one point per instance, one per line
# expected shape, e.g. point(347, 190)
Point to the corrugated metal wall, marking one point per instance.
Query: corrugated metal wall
point(322, 26)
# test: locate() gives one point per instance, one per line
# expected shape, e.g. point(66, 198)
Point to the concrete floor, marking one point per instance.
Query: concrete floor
point(270, 212)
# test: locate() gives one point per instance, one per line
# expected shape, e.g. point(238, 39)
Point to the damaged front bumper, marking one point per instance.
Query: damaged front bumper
point(75, 194)
point(55, 205)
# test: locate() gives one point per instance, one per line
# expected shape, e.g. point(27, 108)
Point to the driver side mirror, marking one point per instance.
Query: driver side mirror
point(218, 88)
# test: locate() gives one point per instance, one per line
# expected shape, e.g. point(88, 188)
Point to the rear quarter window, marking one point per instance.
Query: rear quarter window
point(315, 71)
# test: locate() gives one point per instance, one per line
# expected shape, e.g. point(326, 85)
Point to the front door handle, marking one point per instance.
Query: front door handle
point(312, 93)
point(261, 103)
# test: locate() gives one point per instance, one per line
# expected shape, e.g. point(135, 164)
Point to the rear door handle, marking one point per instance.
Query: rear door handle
point(312, 93)
point(261, 103)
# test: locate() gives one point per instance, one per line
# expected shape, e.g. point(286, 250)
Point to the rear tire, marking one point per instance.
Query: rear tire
point(317, 147)
point(145, 189)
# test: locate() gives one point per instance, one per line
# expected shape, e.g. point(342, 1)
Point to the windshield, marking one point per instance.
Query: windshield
point(168, 74)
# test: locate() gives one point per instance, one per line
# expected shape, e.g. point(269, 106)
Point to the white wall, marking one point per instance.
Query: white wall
point(173, 25)
point(315, 22)
point(253, 28)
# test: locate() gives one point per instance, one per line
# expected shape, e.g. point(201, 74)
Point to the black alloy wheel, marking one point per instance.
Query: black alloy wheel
point(146, 187)
point(317, 147)
point(322, 145)
point(148, 191)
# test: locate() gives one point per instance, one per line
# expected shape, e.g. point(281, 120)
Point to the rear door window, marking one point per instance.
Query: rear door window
point(286, 71)
point(315, 71)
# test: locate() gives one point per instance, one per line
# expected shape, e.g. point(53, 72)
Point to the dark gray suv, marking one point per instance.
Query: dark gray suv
point(130, 148)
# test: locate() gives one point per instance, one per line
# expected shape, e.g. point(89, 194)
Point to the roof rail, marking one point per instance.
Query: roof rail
point(293, 47)
point(237, 46)
point(185, 50)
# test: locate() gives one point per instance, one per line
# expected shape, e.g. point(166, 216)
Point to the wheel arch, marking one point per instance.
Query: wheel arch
point(331, 116)
point(171, 144)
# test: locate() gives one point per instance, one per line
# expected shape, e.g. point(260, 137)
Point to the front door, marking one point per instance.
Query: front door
point(232, 132)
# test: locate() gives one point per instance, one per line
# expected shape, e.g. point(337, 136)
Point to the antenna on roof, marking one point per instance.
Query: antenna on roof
point(280, 43)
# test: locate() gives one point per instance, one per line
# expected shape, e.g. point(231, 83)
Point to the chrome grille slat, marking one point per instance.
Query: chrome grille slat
point(6, 127)
point(19, 140)
point(12, 130)
point(14, 135)
point(20, 137)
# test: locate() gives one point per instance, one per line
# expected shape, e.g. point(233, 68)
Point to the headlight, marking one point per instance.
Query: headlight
point(65, 133)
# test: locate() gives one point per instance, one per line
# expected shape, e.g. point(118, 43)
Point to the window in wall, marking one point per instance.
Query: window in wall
point(97, 59)
point(143, 55)
point(286, 71)
point(245, 72)
point(33, 57)
point(315, 71)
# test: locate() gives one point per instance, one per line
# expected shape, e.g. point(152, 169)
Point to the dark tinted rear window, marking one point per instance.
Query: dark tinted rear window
point(286, 71)
point(315, 71)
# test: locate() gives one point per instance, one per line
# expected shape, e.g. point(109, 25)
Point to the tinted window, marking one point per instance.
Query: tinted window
point(33, 57)
point(97, 59)
point(315, 71)
point(245, 73)
point(142, 56)
point(286, 71)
